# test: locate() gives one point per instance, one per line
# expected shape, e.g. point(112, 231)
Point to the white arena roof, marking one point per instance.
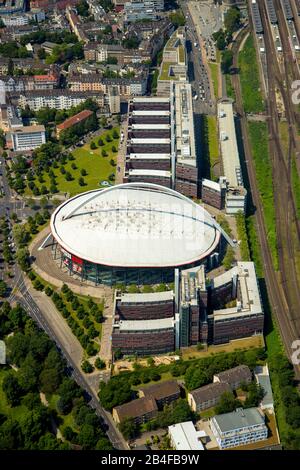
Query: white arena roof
point(135, 225)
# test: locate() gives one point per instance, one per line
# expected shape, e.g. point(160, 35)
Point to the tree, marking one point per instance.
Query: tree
point(227, 61)
point(93, 146)
point(100, 142)
point(17, 348)
point(68, 176)
point(83, 172)
point(227, 403)
point(87, 436)
point(177, 19)
point(115, 134)
point(3, 288)
point(114, 149)
point(12, 389)
point(87, 367)
point(115, 392)
point(232, 20)
point(129, 428)
point(108, 138)
point(23, 258)
point(99, 363)
point(50, 380)
point(103, 153)
point(81, 181)
point(219, 38)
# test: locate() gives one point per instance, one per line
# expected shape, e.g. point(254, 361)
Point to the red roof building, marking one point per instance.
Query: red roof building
point(72, 121)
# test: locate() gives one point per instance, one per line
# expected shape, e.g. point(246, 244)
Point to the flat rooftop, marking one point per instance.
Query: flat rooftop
point(150, 297)
point(185, 436)
point(145, 325)
point(228, 143)
point(239, 419)
point(248, 289)
point(149, 156)
point(184, 124)
point(150, 172)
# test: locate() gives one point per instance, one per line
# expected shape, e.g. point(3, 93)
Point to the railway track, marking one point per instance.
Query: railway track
point(275, 288)
point(286, 215)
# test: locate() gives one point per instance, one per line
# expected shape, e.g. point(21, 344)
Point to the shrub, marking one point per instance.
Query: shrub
point(99, 363)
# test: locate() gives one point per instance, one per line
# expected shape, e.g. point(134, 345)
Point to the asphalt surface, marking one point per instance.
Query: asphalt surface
point(197, 71)
point(9, 205)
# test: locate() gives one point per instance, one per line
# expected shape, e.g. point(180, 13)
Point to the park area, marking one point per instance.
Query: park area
point(92, 164)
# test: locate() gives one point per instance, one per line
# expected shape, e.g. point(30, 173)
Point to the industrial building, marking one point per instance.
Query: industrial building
point(242, 426)
point(138, 10)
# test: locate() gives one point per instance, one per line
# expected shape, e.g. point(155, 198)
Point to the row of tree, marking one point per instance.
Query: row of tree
point(38, 367)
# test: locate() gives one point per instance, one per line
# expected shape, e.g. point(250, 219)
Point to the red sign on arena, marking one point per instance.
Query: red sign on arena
point(77, 260)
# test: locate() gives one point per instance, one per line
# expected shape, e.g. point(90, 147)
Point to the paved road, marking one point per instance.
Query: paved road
point(28, 303)
point(197, 69)
point(21, 294)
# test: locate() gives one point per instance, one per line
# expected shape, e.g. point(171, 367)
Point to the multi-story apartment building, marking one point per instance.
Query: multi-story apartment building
point(241, 427)
point(11, 7)
point(137, 10)
point(102, 52)
point(24, 18)
point(29, 83)
point(27, 64)
point(140, 410)
point(207, 396)
point(27, 138)
point(133, 86)
point(114, 99)
point(59, 99)
point(234, 377)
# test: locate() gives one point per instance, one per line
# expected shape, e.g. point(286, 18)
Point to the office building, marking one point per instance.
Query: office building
point(241, 427)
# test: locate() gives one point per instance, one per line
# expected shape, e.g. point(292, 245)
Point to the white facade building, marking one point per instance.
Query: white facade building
point(27, 137)
point(242, 426)
point(184, 436)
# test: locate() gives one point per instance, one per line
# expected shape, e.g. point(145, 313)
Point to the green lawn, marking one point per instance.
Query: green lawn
point(249, 76)
point(214, 70)
point(258, 134)
point(98, 168)
point(14, 412)
point(213, 141)
point(229, 88)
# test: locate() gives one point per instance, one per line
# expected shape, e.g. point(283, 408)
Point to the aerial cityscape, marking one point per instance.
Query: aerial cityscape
point(149, 227)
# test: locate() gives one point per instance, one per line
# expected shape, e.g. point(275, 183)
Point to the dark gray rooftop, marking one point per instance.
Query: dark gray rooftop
point(239, 418)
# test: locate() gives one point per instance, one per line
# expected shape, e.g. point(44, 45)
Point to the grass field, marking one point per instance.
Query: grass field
point(249, 76)
point(213, 143)
point(214, 70)
point(258, 134)
point(98, 168)
point(229, 88)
